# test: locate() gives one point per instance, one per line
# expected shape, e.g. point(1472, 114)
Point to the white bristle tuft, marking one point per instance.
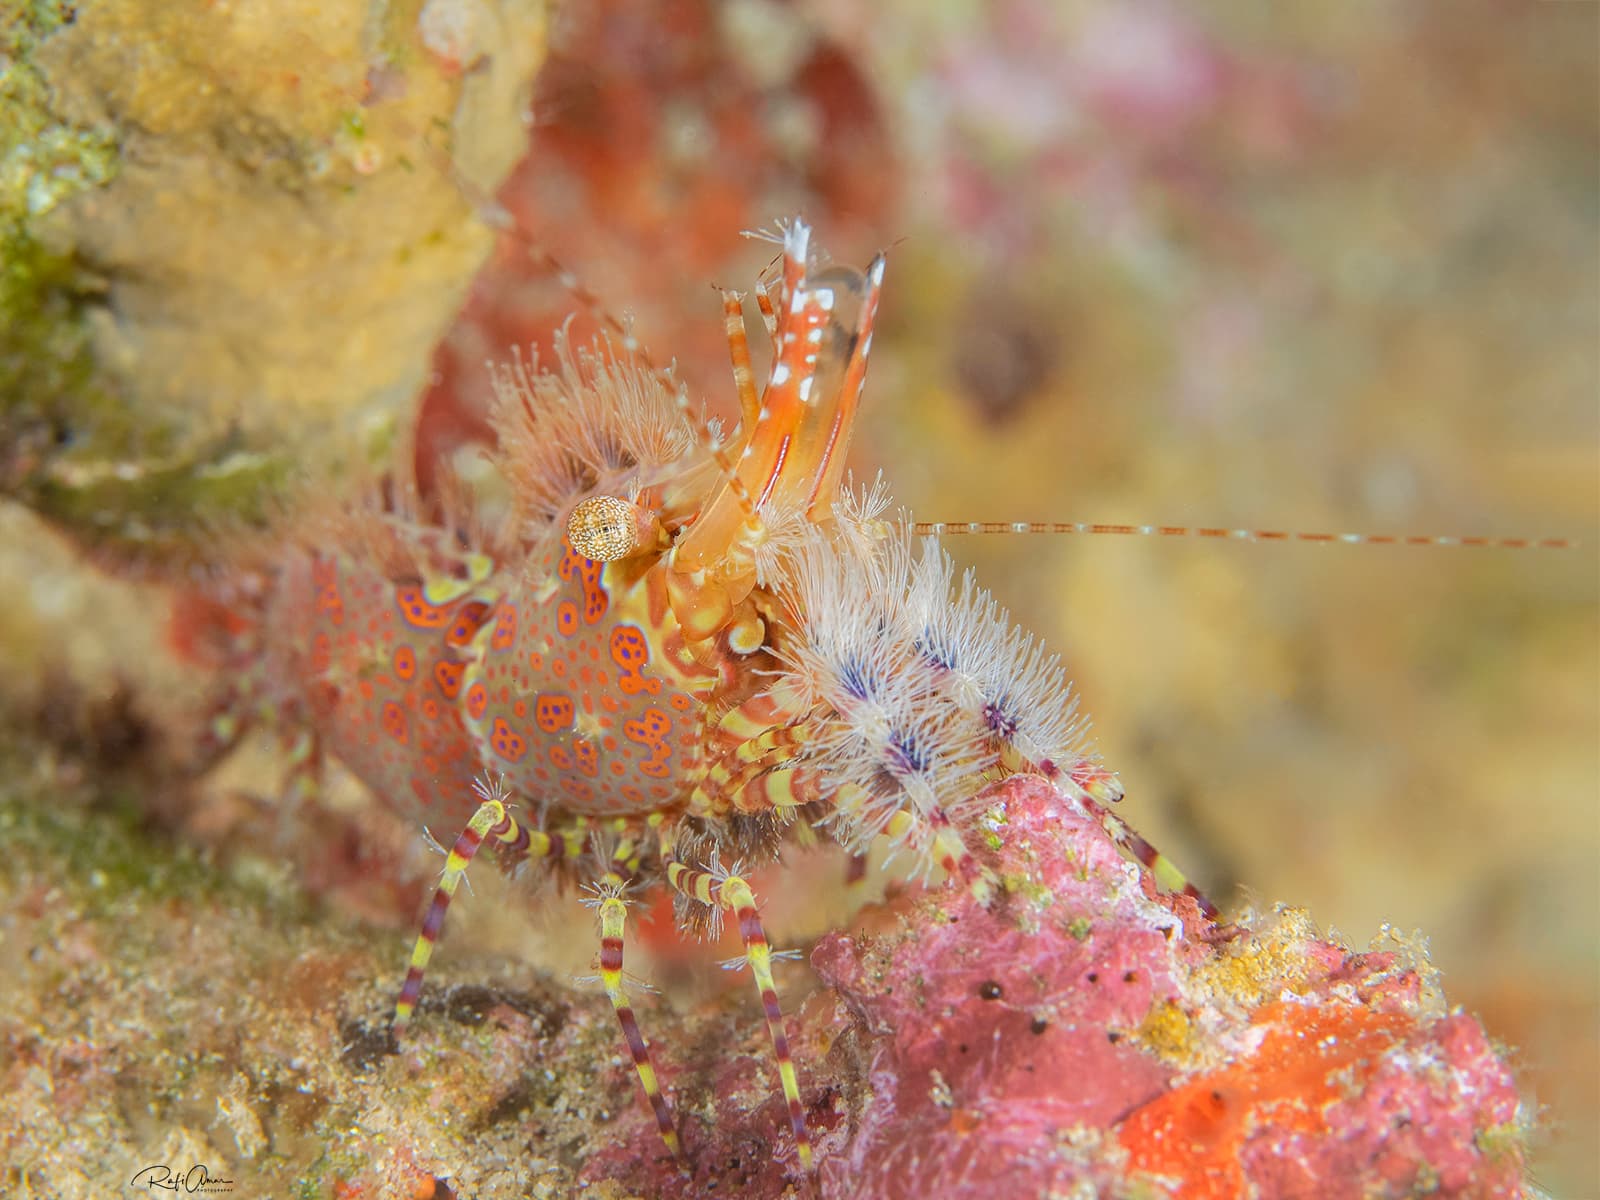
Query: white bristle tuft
point(920, 692)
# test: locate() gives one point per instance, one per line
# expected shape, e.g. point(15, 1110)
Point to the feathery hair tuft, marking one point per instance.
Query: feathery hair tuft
point(581, 426)
point(918, 692)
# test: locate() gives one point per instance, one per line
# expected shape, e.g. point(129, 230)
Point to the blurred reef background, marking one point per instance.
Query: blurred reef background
point(1325, 267)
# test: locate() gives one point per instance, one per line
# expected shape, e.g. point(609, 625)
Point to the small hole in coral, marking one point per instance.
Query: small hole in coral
point(990, 990)
point(1039, 1025)
point(1130, 976)
point(1094, 976)
point(962, 1047)
point(1113, 1037)
point(365, 1046)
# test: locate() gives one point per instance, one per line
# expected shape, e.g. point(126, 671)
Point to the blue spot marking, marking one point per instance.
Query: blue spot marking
point(936, 650)
point(1000, 722)
point(854, 677)
point(906, 757)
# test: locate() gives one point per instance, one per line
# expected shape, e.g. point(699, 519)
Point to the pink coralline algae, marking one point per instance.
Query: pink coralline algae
point(1082, 1034)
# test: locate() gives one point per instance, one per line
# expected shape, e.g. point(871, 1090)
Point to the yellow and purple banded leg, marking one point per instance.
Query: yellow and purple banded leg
point(1162, 869)
point(494, 823)
point(937, 836)
point(733, 893)
point(735, 779)
point(939, 842)
point(613, 910)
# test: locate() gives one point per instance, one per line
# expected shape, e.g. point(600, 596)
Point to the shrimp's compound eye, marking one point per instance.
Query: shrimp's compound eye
point(606, 528)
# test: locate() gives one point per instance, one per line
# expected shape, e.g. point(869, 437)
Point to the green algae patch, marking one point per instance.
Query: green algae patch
point(43, 158)
point(45, 361)
point(230, 238)
point(103, 858)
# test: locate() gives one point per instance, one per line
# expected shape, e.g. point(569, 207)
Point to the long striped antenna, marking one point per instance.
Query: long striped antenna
point(951, 528)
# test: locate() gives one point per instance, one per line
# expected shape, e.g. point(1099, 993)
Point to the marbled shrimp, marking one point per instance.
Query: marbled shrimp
point(676, 651)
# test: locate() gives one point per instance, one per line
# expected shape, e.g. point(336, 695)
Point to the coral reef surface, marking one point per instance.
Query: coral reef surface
point(1077, 1034)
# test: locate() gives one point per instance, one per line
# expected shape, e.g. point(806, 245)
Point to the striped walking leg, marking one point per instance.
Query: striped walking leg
point(935, 838)
point(733, 893)
point(613, 921)
point(493, 822)
point(1162, 869)
point(934, 834)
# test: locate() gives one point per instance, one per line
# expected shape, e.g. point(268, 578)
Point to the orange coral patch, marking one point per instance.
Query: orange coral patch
point(1308, 1059)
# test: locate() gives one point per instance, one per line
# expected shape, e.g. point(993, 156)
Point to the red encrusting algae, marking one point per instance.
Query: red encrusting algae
point(1084, 1030)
